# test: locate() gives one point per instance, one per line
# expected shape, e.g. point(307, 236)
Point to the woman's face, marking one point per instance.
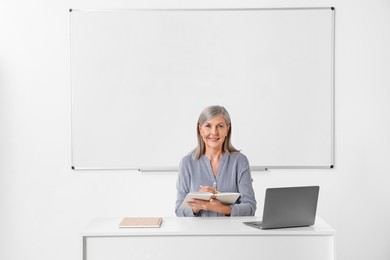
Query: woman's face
point(214, 132)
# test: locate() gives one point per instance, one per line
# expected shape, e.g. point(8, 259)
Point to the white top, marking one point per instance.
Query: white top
point(173, 226)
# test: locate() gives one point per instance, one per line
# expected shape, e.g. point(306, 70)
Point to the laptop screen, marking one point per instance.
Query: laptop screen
point(289, 207)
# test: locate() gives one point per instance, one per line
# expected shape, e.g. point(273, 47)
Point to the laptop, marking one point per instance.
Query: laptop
point(288, 207)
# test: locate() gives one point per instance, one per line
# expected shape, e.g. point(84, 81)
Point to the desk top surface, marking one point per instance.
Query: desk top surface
point(193, 226)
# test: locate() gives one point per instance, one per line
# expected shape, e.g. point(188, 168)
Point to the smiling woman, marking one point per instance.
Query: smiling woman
point(213, 134)
point(214, 126)
point(215, 165)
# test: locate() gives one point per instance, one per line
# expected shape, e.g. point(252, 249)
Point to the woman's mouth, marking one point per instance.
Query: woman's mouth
point(213, 139)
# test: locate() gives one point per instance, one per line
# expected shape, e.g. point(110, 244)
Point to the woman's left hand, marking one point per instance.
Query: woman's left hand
point(212, 205)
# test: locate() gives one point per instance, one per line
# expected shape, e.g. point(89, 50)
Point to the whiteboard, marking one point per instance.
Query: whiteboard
point(140, 79)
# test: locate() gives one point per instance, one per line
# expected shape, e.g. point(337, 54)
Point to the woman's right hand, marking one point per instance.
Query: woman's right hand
point(208, 189)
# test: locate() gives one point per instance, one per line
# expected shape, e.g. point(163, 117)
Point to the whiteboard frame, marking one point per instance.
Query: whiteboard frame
point(253, 168)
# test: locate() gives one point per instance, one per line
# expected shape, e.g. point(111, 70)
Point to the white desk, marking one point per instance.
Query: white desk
point(213, 238)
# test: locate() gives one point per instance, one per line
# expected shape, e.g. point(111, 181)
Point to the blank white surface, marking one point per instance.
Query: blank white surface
point(214, 247)
point(140, 78)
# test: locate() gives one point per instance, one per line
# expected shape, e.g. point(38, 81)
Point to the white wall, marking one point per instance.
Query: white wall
point(44, 205)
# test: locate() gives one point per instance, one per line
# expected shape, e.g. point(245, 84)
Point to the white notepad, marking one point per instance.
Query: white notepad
point(225, 197)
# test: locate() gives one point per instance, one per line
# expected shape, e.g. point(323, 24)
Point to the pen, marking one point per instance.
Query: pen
point(215, 187)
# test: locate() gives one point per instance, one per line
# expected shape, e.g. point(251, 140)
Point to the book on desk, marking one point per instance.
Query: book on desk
point(140, 222)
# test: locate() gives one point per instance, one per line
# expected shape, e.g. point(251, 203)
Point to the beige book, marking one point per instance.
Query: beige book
point(144, 222)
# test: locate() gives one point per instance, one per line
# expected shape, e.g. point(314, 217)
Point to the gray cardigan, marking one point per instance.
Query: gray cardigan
point(233, 176)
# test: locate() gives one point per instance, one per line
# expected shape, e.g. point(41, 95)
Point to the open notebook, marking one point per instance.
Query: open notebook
point(225, 197)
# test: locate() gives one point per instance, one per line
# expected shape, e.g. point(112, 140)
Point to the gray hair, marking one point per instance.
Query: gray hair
point(207, 114)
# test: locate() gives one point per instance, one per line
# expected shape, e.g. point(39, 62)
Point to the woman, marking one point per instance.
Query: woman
point(215, 165)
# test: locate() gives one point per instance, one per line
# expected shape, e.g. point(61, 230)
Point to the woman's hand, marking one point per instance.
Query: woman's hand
point(212, 205)
point(198, 205)
point(208, 189)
